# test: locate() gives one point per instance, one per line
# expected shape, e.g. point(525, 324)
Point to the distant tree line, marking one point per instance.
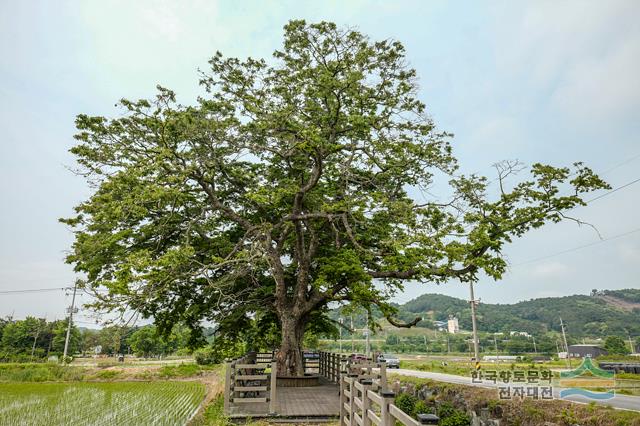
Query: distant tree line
point(35, 339)
point(583, 316)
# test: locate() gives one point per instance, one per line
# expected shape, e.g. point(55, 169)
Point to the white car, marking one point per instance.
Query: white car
point(392, 361)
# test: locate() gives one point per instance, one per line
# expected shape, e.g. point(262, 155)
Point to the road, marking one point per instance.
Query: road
point(624, 402)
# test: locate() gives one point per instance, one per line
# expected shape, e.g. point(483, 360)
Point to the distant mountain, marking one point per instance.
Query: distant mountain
point(603, 313)
point(607, 312)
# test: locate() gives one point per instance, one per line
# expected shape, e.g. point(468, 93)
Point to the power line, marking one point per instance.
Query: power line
point(36, 290)
point(624, 234)
point(43, 290)
point(628, 160)
point(613, 190)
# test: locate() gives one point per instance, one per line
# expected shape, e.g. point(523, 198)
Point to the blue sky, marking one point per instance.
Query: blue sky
point(553, 82)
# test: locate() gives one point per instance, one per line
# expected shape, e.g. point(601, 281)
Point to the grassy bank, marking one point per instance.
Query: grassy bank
point(522, 412)
point(50, 372)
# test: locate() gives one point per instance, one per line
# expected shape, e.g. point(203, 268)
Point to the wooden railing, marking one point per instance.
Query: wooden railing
point(331, 366)
point(361, 405)
point(249, 382)
point(369, 370)
point(311, 363)
point(265, 357)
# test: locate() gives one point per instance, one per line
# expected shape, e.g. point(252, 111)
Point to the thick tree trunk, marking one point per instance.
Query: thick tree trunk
point(289, 357)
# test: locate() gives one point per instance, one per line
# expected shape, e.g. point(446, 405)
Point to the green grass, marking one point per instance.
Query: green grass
point(34, 372)
point(121, 403)
point(213, 414)
point(46, 372)
point(522, 412)
point(181, 370)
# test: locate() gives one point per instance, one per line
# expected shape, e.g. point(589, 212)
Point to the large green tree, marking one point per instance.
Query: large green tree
point(616, 345)
point(289, 186)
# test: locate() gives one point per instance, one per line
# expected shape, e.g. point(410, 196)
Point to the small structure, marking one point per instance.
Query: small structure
point(452, 325)
point(440, 325)
point(500, 358)
point(356, 391)
point(588, 351)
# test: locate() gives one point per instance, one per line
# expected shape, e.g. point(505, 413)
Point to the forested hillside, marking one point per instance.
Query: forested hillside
point(607, 312)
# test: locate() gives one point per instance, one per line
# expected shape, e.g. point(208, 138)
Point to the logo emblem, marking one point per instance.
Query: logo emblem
point(588, 376)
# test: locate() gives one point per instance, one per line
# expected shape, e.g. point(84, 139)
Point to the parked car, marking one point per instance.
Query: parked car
point(358, 357)
point(391, 360)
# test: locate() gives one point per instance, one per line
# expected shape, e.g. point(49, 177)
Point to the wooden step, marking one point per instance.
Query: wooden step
point(252, 377)
point(249, 400)
point(253, 366)
point(250, 388)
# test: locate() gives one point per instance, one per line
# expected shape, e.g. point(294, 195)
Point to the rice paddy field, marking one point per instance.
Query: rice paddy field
point(115, 403)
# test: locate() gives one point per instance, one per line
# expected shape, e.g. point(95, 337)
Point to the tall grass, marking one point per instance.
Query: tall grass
point(33, 372)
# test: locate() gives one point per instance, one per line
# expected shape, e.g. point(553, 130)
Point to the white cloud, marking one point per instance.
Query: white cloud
point(587, 58)
point(550, 270)
point(630, 253)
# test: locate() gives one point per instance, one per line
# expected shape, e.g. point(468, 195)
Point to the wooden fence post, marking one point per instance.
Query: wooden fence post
point(385, 416)
point(352, 405)
point(343, 399)
point(272, 390)
point(228, 387)
point(383, 376)
point(366, 402)
point(332, 367)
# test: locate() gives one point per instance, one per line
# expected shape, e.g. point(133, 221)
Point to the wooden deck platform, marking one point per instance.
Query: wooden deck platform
point(295, 402)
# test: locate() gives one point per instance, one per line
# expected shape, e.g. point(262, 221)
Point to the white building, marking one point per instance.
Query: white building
point(452, 325)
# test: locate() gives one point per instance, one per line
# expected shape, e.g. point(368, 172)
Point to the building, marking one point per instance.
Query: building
point(440, 325)
point(519, 333)
point(452, 325)
point(500, 358)
point(582, 351)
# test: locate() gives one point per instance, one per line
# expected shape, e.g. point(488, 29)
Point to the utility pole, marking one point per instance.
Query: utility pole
point(535, 350)
point(564, 337)
point(71, 312)
point(495, 342)
point(631, 344)
point(353, 350)
point(566, 347)
point(426, 347)
point(341, 321)
point(473, 303)
point(35, 339)
point(368, 347)
point(448, 347)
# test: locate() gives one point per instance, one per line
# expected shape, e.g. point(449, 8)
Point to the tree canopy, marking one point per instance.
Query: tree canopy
point(290, 185)
point(616, 345)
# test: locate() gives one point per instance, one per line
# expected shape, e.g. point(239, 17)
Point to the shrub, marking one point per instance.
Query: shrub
point(107, 374)
point(450, 416)
point(182, 370)
point(445, 409)
point(406, 403)
point(39, 373)
point(457, 418)
point(204, 356)
point(421, 407)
